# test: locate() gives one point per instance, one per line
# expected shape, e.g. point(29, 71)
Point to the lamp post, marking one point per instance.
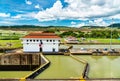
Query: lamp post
point(10, 36)
point(90, 34)
point(111, 35)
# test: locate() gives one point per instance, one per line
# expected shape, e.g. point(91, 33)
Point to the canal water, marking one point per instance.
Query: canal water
point(62, 67)
point(13, 74)
point(67, 67)
point(103, 66)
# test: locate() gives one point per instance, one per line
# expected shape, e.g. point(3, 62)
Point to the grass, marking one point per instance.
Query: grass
point(7, 36)
point(10, 43)
point(10, 34)
point(17, 43)
point(10, 38)
point(99, 40)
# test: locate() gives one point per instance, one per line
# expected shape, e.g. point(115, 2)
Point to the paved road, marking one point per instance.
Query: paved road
point(93, 46)
point(96, 46)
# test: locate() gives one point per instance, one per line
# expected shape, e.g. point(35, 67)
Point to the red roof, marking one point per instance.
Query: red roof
point(41, 35)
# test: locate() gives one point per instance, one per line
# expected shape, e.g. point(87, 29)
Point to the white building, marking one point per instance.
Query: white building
point(41, 42)
point(71, 39)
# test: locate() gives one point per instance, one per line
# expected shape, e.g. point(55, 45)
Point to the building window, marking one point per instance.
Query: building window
point(33, 40)
point(53, 40)
point(50, 40)
point(4, 61)
point(53, 43)
point(30, 40)
point(37, 40)
point(27, 40)
point(40, 40)
point(47, 40)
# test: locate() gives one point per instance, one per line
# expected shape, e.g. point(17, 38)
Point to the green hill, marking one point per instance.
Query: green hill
point(115, 25)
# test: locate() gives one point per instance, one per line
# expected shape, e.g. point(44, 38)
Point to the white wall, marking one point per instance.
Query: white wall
point(56, 47)
point(47, 46)
point(31, 47)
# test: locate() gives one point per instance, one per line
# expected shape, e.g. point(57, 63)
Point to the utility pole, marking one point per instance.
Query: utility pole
point(111, 35)
point(89, 34)
point(10, 36)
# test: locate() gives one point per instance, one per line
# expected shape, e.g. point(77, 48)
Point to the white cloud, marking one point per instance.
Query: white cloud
point(37, 6)
point(50, 13)
point(90, 22)
point(100, 22)
point(20, 11)
point(73, 23)
point(78, 9)
point(12, 20)
point(26, 16)
point(17, 17)
point(6, 23)
point(117, 16)
point(28, 2)
point(78, 25)
point(29, 15)
point(4, 15)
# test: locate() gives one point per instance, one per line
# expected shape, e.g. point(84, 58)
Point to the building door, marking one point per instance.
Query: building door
point(40, 49)
point(53, 49)
point(40, 46)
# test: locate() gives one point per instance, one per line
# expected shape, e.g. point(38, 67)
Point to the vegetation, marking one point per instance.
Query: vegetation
point(117, 25)
point(11, 35)
point(10, 38)
point(93, 34)
point(100, 40)
point(10, 44)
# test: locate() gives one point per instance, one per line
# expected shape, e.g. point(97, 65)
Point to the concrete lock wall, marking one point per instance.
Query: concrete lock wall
point(60, 80)
point(9, 80)
point(18, 60)
point(72, 80)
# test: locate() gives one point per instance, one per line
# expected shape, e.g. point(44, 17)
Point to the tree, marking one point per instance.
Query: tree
point(80, 34)
point(68, 33)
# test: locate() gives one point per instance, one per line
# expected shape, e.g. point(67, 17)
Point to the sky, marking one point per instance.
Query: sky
point(72, 13)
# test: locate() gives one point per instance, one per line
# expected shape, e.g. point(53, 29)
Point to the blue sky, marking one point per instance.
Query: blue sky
point(73, 13)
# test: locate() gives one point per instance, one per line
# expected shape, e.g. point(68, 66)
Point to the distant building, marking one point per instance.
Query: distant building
point(41, 42)
point(71, 39)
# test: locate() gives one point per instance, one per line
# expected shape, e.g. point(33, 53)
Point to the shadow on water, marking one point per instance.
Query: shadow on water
point(96, 57)
point(112, 57)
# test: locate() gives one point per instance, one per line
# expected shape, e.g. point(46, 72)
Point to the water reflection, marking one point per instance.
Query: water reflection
point(62, 67)
point(66, 67)
point(112, 57)
point(103, 66)
point(96, 58)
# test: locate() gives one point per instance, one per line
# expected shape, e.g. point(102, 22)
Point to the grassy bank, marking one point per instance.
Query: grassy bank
point(10, 44)
point(17, 43)
point(99, 40)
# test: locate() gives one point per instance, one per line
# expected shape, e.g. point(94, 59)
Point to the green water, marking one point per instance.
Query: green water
point(67, 67)
point(62, 67)
point(103, 66)
point(13, 74)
